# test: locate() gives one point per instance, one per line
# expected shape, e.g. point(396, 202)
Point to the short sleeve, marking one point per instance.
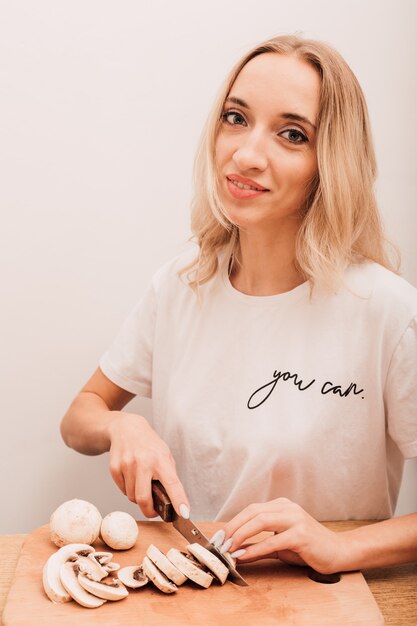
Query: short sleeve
point(401, 393)
point(128, 360)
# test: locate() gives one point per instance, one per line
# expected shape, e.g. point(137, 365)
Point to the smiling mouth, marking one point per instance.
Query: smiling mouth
point(245, 186)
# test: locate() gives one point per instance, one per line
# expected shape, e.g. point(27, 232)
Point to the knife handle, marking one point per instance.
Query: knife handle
point(161, 502)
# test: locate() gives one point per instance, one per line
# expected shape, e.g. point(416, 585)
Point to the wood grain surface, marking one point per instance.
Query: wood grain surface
point(277, 594)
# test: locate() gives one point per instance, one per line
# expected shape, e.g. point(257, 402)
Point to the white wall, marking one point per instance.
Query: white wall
point(101, 105)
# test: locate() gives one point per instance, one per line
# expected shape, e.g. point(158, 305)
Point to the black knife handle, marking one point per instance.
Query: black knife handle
point(161, 502)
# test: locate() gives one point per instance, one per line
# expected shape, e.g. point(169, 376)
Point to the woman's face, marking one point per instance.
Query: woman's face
point(265, 151)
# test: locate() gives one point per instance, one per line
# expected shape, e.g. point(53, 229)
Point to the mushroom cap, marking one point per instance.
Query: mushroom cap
point(69, 578)
point(210, 560)
point(119, 530)
point(75, 521)
point(108, 588)
point(52, 584)
point(133, 576)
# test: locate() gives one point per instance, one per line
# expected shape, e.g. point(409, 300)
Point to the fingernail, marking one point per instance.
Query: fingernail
point(226, 546)
point(218, 538)
point(184, 511)
point(238, 553)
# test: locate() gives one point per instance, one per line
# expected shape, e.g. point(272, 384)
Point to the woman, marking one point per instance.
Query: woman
point(281, 358)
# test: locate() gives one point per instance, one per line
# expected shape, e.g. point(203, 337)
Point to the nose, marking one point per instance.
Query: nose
point(251, 152)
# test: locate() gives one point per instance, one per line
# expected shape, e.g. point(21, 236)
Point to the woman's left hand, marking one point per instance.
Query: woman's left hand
point(298, 538)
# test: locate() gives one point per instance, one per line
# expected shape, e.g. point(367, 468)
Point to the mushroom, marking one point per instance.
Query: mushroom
point(165, 565)
point(157, 577)
point(190, 567)
point(133, 576)
point(108, 588)
point(119, 530)
point(90, 566)
point(101, 557)
point(50, 575)
point(75, 521)
point(210, 560)
point(111, 567)
point(69, 577)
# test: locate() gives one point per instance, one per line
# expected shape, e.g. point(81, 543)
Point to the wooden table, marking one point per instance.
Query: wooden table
point(394, 588)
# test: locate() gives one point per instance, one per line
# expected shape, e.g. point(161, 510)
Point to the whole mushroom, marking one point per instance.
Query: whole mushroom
point(119, 530)
point(75, 521)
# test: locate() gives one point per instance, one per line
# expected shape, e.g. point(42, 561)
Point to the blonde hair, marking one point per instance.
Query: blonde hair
point(341, 222)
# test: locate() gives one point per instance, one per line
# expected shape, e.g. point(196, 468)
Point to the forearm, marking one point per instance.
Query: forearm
point(85, 426)
point(382, 544)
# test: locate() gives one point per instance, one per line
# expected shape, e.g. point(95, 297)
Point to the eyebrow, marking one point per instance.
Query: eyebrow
point(288, 116)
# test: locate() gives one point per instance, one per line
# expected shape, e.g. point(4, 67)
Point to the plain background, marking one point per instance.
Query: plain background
point(101, 107)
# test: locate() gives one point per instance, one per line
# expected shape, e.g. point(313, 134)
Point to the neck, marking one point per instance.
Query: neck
point(265, 264)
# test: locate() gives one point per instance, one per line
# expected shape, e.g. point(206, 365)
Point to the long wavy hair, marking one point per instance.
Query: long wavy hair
point(341, 222)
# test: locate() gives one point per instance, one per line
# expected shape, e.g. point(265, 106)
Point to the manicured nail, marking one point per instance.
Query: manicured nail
point(238, 553)
point(218, 538)
point(184, 511)
point(226, 546)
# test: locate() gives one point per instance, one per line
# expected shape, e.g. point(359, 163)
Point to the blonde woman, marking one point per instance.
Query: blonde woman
point(281, 352)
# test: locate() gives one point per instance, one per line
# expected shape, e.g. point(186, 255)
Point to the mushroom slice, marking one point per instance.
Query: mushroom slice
point(157, 577)
point(69, 578)
point(111, 567)
point(102, 558)
point(133, 576)
point(190, 567)
point(52, 584)
point(91, 567)
point(165, 565)
point(210, 560)
point(108, 588)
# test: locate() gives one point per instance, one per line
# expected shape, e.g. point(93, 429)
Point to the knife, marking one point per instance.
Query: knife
point(163, 505)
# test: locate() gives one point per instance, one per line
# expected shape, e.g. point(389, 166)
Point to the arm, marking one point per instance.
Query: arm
point(95, 423)
point(390, 542)
point(299, 539)
point(85, 426)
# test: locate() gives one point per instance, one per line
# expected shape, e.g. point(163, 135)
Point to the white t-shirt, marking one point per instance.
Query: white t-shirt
point(259, 397)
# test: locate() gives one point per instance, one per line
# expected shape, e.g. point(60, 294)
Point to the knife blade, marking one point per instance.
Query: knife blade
point(163, 505)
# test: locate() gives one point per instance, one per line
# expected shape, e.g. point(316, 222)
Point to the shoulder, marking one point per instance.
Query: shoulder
point(168, 275)
point(375, 280)
point(386, 295)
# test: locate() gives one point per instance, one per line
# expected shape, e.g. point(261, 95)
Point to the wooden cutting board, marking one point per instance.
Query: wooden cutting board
point(277, 593)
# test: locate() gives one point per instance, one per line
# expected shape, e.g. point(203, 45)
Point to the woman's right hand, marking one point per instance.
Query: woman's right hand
point(138, 455)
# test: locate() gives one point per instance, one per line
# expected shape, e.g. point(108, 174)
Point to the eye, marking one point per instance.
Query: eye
point(294, 136)
point(233, 118)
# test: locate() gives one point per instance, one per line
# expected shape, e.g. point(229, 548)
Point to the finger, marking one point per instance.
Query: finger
point(267, 548)
point(118, 477)
point(253, 510)
point(265, 521)
point(173, 486)
point(143, 493)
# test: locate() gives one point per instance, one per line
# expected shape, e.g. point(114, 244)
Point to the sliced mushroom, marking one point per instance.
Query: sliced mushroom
point(108, 588)
point(111, 567)
point(91, 567)
point(210, 560)
point(52, 584)
point(157, 577)
point(165, 565)
point(133, 576)
point(69, 577)
point(101, 557)
point(190, 567)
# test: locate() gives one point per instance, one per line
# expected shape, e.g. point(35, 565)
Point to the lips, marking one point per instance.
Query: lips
point(246, 181)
